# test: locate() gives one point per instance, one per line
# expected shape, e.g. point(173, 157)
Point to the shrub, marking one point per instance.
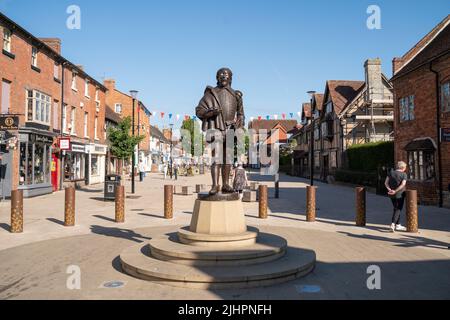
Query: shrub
point(369, 157)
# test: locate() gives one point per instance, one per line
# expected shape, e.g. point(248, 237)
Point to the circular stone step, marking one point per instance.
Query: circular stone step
point(218, 240)
point(295, 263)
point(268, 248)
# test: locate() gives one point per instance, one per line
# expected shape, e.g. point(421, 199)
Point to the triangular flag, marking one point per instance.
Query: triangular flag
point(283, 115)
point(275, 116)
point(291, 114)
point(162, 115)
point(178, 117)
point(170, 116)
point(259, 118)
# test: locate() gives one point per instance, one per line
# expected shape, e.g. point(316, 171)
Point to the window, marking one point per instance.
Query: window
point(406, 108)
point(72, 121)
point(96, 95)
point(95, 128)
point(55, 114)
point(6, 96)
point(86, 89)
point(34, 165)
point(39, 107)
point(421, 165)
point(7, 40)
point(445, 97)
point(64, 118)
point(74, 82)
point(86, 133)
point(34, 56)
point(118, 108)
point(94, 165)
point(56, 71)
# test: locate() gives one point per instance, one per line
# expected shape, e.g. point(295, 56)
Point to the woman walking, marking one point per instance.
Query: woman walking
point(396, 185)
point(240, 179)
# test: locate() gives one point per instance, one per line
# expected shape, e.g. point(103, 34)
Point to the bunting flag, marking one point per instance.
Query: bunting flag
point(268, 117)
point(252, 118)
point(291, 114)
point(162, 115)
point(194, 118)
point(275, 116)
point(283, 115)
point(178, 117)
point(299, 114)
point(186, 118)
point(154, 112)
point(259, 118)
point(170, 116)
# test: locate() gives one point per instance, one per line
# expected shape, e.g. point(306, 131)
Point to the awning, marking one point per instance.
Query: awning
point(421, 145)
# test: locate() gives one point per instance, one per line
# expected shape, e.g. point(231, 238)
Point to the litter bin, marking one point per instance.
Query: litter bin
point(111, 183)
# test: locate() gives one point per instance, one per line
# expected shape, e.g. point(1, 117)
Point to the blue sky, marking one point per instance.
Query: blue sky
point(278, 50)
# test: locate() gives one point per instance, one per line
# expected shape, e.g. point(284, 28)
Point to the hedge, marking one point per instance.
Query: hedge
point(369, 157)
point(357, 177)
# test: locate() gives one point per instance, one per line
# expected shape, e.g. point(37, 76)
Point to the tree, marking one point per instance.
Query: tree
point(197, 141)
point(122, 143)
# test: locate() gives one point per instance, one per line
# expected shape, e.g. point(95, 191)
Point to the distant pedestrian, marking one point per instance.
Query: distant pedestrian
point(141, 171)
point(240, 179)
point(165, 171)
point(396, 185)
point(175, 171)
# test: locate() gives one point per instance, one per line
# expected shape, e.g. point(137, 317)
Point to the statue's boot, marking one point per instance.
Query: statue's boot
point(215, 179)
point(226, 170)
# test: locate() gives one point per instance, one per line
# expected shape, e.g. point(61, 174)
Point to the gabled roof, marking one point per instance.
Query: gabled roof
point(306, 113)
point(155, 132)
point(270, 124)
point(341, 93)
point(318, 100)
point(403, 64)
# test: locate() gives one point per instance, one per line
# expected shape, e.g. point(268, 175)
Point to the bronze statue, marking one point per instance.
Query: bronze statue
point(221, 108)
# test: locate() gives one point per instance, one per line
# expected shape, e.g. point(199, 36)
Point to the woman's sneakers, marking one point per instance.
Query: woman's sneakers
point(397, 227)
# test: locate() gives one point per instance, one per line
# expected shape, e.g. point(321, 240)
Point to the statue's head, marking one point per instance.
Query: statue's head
point(224, 77)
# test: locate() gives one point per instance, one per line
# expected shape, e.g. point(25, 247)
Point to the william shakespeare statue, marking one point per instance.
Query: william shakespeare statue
point(221, 109)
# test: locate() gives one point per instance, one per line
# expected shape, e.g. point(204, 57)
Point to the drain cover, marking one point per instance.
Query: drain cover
point(113, 284)
point(308, 289)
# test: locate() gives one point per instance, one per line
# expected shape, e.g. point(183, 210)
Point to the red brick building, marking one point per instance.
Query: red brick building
point(421, 84)
point(33, 74)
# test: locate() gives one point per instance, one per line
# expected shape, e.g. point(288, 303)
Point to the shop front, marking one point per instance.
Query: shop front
point(97, 163)
point(75, 164)
point(35, 157)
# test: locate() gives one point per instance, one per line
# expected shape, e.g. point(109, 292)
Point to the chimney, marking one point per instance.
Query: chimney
point(397, 63)
point(53, 43)
point(374, 82)
point(110, 84)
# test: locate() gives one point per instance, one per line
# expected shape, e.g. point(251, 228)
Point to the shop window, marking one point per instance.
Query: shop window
point(39, 170)
point(34, 165)
point(38, 107)
point(421, 165)
point(74, 166)
point(94, 165)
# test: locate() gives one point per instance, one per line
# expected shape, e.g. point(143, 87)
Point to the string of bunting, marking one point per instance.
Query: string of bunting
point(171, 116)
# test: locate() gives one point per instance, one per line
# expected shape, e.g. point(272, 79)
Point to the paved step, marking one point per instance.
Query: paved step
point(268, 248)
point(137, 262)
point(218, 240)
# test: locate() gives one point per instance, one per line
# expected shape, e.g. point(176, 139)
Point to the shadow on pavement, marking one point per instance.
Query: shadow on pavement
point(151, 215)
point(119, 233)
point(104, 218)
point(5, 226)
point(61, 223)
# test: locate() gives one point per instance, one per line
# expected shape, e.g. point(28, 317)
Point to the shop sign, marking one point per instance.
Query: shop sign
point(9, 122)
point(445, 134)
point(41, 139)
point(64, 144)
point(78, 148)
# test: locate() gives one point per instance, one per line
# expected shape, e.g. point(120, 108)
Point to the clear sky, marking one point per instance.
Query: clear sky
point(170, 50)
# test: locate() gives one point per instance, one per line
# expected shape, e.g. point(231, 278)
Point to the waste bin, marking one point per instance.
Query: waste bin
point(111, 183)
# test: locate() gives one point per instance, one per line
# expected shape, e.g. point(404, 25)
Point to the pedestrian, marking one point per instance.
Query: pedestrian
point(175, 170)
point(165, 171)
point(240, 178)
point(396, 185)
point(141, 171)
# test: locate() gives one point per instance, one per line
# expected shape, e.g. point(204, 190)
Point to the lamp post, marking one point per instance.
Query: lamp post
point(171, 150)
point(133, 94)
point(311, 148)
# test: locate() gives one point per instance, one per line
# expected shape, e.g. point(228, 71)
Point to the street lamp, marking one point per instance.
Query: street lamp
point(133, 94)
point(311, 148)
point(171, 150)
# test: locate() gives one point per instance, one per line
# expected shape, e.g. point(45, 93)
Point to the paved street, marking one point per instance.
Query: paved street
point(34, 263)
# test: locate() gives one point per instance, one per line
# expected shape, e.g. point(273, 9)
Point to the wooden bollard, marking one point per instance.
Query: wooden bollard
point(310, 204)
point(69, 207)
point(412, 222)
point(120, 204)
point(263, 201)
point(168, 202)
point(17, 211)
point(361, 207)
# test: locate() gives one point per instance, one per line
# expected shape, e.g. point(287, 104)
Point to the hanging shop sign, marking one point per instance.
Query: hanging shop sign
point(9, 122)
point(64, 144)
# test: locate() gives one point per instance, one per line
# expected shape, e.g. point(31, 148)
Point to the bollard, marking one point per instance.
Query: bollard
point(412, 223)
point(120, 204)
point(361, 207)
point(168, 202)
point(17, 211)
point(263, 202)
point(310, 204)
point(69, 207)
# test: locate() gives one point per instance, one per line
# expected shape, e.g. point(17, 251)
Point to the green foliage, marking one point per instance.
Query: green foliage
point(285, 160)
point(122, 142)
point(370, 156)
point(357, 177)
point(197, 141)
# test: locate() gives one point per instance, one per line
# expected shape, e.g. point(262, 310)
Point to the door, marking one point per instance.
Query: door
point(54, 169)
